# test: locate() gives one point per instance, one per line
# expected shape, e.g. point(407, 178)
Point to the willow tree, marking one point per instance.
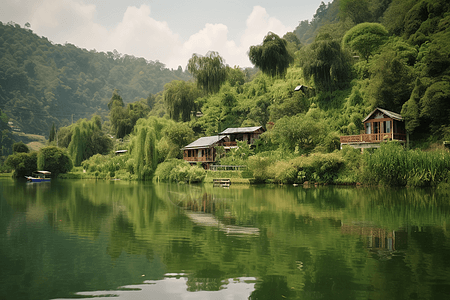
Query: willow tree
point(87, 139)
point(144, 150)
point(209, 71)
point(179, 97)
point(326, 64)
point(272, 56)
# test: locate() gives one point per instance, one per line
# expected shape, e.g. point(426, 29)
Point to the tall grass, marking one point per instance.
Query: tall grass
point(392, 165)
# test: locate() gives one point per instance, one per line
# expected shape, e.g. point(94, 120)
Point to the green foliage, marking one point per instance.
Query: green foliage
point(176, 170)
point(299, 133)
point(410, 110)
point(86, 139)
point(391, 80)
point(144, 152)
point(272, 56)
point(436, 104)
point(326, 64)
point(259, 165)
point(237, 156)
point(54, 159)
point(179, 98)
point(20, 147)
point(393, 165)
point(365, 38)
point(357, 10)
point(176, 136)
point(209, 71)
point(44, 83)
point(123, 118)
point(52, 133)
point(23, 164)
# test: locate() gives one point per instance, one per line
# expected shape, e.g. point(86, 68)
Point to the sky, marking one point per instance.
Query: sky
point(167, 31)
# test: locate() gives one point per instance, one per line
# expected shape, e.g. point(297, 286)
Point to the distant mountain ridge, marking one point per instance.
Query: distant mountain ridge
point(43, 83)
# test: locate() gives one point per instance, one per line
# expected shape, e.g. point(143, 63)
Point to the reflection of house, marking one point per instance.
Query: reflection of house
point(203, 150)
point(378, 238)
point(379, 126)
point(243, 134)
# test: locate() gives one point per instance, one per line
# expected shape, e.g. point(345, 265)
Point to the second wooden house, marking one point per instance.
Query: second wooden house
point(379, 126)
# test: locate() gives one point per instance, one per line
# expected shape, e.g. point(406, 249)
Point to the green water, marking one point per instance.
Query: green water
point(103, 239)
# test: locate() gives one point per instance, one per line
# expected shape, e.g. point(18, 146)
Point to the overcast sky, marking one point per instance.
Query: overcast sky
point(168, 31)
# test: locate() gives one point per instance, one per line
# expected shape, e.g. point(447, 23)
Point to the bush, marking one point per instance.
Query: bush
point(284, 172)
point(23, 164)
point(178, 170)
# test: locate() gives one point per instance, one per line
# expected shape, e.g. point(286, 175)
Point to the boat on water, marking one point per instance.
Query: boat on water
point(39, 176)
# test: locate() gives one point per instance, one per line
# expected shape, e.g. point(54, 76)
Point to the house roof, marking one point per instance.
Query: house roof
point(204, 142)
point(390, 114)
point(240, 130)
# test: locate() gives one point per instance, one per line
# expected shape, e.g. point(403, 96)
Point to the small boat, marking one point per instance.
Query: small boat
point(39, 176)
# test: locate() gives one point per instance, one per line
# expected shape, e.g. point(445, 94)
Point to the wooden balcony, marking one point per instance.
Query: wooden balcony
point(200, 159)
point(372, 138)
point(230, 144)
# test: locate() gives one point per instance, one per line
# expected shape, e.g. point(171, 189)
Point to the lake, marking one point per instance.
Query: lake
point(133, 240)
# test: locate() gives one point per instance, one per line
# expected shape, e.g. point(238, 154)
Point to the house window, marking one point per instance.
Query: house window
point(387, 127)
point(368, 128)
point(376, 126)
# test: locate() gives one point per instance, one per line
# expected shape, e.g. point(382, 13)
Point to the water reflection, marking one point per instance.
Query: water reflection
point(174, 286)
point(73, 238)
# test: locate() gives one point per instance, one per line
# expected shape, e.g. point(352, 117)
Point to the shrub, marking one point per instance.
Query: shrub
point(178, 170)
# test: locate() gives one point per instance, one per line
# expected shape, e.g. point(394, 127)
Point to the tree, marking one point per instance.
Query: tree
point(54, 159)
point(410, 109)
point(20, 147)
point(365, 38)
point(302, 132)
point(357, 10)
point(144, 151)
point(391, 81)
point(435, 104)
point(209, 71)
point(52, 134)
point(272, 56)
point(179, 97)
point(177, 135)
point(23, 164)
point(326, 64)
point(87, 139)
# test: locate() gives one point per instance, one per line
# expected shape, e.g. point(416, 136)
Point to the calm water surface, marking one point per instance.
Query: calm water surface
point(84, 239)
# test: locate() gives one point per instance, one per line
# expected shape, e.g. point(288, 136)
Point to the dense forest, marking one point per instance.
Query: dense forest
point(353, 56)
point(43, 83)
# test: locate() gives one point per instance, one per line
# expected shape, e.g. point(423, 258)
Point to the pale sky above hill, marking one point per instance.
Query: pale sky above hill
point(165, 30)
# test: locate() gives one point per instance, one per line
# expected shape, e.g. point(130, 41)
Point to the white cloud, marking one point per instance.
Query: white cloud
point(138, 33)
point(259, 23)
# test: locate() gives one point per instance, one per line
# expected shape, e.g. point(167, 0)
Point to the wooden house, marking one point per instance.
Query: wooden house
point(379, 126)
point(203, 149)
point(243, 134)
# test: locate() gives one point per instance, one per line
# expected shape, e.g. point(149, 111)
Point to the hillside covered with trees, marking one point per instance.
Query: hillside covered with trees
point(354, 56)
point(42, 83)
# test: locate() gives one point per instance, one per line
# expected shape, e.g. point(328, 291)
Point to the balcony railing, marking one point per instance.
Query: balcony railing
point(372, 138)
point(230, 144)
point(208, 158)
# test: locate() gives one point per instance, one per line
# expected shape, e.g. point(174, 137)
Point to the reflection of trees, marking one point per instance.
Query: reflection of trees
point(315, 242)
point(271, 287)
point(210, 278)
